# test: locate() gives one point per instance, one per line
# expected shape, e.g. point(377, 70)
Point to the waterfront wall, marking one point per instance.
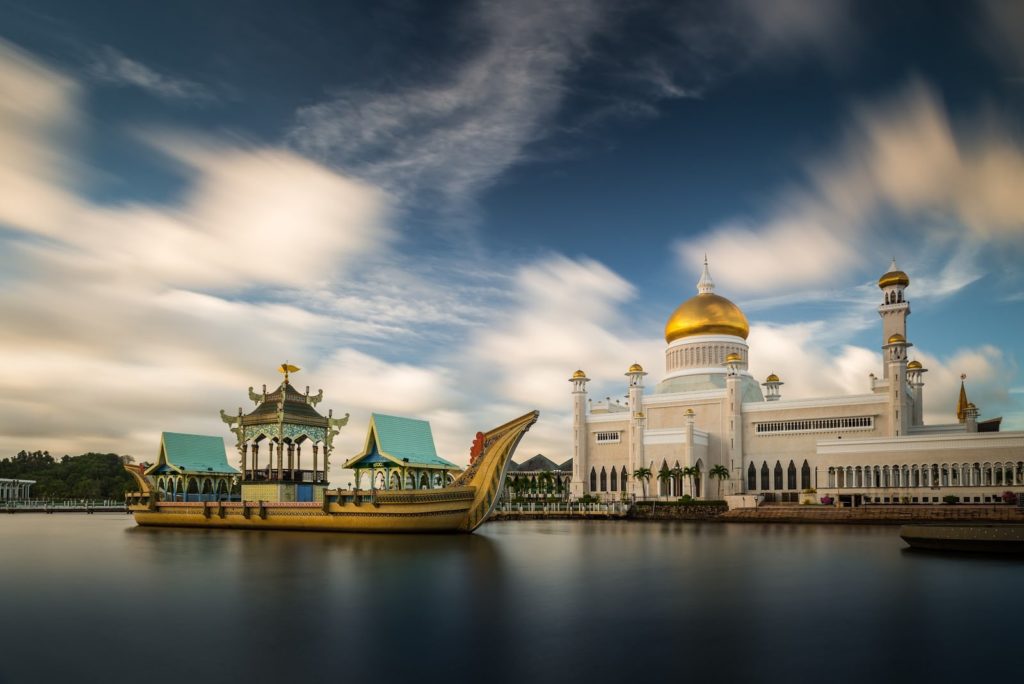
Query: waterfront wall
point(672, 510)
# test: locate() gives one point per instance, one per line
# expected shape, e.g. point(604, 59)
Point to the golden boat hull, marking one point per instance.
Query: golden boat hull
point(462, 507)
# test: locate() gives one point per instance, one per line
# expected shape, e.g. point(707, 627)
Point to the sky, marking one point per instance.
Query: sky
point(442, 210)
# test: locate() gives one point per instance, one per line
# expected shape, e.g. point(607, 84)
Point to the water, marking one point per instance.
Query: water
point(92, 598)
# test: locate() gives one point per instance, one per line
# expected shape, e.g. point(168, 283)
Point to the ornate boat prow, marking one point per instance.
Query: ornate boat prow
point(487, 471)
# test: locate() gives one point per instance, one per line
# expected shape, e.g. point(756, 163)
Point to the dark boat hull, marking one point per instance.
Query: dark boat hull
point(965, 538)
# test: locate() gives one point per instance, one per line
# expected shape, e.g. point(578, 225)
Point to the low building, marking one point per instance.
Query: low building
point(15, 490)
point(538, 477)
point(399, 453)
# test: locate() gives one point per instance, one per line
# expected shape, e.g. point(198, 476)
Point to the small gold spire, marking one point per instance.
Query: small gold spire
point(962, 404)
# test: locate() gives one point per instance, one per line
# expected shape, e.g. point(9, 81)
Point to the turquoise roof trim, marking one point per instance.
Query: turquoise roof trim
point(194, 453)
point(401, 440)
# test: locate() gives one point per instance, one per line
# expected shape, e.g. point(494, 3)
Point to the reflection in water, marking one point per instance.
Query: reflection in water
point(94, 598)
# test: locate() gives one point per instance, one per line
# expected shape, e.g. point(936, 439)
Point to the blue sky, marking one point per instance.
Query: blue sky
point(442, 209)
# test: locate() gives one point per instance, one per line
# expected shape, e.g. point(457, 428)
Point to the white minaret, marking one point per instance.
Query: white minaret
point(900, 401)
point(894, 309)
point(915, 373)
point(637, 423)
point(578, 486)
point(734, 416)
point(771, 387)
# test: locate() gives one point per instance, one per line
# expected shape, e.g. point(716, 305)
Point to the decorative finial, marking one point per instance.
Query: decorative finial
point(705, 284)
point(287, 368)
point(963, 376)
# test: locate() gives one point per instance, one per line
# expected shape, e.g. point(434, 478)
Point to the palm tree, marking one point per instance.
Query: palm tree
point(678, 474)
point(545, 482)
point(643, 475)
point(719, 472)
point(664, 474)
point(689, 473)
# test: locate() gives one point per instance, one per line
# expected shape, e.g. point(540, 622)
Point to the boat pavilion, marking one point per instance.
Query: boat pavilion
point(192, 468)
point(399, 454)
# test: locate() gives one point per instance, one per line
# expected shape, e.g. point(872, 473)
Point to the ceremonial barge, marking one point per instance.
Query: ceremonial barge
point(409, 488)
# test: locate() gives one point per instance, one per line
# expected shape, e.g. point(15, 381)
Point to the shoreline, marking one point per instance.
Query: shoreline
point(797, 514)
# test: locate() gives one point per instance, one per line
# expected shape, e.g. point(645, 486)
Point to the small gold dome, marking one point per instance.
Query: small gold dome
point(706, 314)
point(636, 368)
point(896, 338)
point(733, 358)
point(893, 278)
point(772, 378)
point(914, 365)
point(578, 374)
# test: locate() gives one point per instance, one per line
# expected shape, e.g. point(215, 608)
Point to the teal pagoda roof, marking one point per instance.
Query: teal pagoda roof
point(191, 454)
point(401, 441)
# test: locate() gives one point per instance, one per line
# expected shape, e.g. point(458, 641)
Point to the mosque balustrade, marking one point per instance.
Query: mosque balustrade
point(931, 476)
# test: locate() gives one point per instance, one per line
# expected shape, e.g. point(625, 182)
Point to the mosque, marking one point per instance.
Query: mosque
point(709, 418)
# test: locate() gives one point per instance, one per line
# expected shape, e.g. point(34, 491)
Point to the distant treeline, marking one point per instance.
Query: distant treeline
point(89, 476)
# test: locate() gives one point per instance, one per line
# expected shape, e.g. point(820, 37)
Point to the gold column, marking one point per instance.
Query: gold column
point(245, 457)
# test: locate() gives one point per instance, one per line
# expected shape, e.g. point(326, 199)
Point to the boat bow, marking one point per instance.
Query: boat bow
point(487, 472)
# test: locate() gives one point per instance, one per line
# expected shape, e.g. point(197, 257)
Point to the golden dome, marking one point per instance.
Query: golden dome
point(706, 314)
point(578, 374)
point(636, 368)
point(733, 358)
point(893, 276)
point(896, 338)
point(915, 365)
point(772, 378)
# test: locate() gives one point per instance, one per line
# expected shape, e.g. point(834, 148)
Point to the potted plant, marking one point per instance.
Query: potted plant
point(827, 500)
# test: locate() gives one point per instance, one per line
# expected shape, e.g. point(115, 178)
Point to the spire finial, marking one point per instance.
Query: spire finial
point(287, 368)
point(705, 284)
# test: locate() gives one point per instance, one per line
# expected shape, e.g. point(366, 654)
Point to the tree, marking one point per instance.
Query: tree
point(678, 474)
point(719, 472)
point(643, 475)
point(664, 475)
point(689, 472)
point(546, 482)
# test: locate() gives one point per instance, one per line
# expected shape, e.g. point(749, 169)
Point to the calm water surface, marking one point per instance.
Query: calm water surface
point(92, 598)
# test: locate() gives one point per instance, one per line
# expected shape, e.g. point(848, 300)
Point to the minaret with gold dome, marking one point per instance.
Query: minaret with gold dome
point(894, 310)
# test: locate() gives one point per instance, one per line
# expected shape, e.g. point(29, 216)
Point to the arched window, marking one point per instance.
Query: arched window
point(604, 480)
point(791, 476)
point(805, 476)
point(615, 480)
point(751, 477)
point(778, 475)
point(764, 476)
point(593, 479)
point(623, 478)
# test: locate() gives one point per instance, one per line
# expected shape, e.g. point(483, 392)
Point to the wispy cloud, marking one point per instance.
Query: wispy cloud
point(902, 175)
point(109, 66)
point(454, 138)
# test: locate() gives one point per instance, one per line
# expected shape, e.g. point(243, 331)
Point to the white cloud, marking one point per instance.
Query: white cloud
point(904, 175)
point(112, 67)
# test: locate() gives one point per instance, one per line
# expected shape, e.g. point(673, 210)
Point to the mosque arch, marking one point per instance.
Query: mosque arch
point(805, 476)
point(615, 480)
point(791, 476)
point(593, 479)
point(604, 480)
point(765, 484)
point(699, 465)
point(778, 475)
point(751, 477)
point(396, 480)
point(622, 479)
